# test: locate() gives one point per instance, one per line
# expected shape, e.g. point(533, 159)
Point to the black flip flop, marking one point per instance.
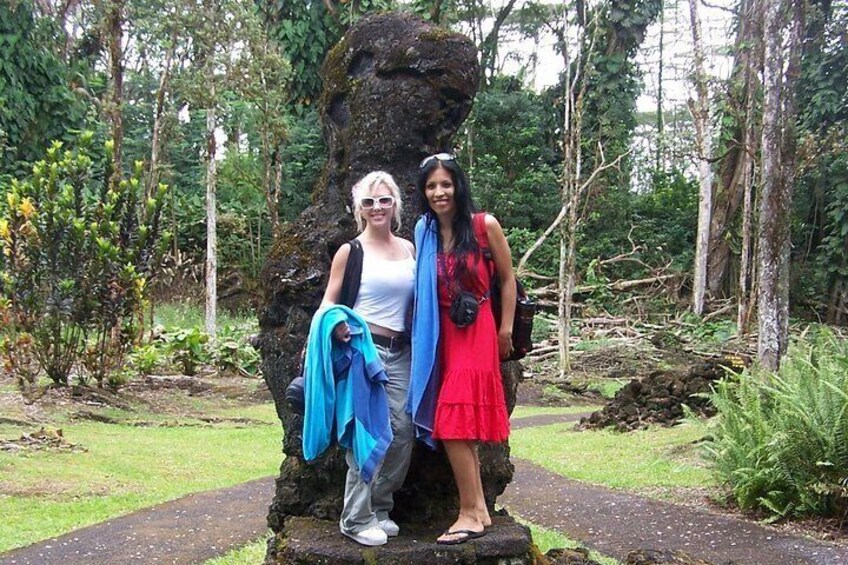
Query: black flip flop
point(466, 535)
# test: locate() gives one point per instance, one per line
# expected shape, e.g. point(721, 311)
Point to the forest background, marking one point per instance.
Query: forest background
point(198, 119)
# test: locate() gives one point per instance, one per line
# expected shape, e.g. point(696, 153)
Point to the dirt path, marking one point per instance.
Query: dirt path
point(204, 525)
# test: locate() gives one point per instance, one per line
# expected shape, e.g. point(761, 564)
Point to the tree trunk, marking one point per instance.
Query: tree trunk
point(779, 113)
point(703, 143)
point(211, 224)
point(115, 34)
point(489, 45)
point(658, 165)
point(747, 271)
point(155, 146)
point(572, 126)
point(728, 193)
point(272, 179)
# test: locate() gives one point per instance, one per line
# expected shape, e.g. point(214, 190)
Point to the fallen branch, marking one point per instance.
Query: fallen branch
point(605, 321)
point(625, 285)
point(723, 310)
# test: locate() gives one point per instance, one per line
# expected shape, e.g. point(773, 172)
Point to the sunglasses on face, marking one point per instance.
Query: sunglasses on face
point(383, 201)
point(437, 157)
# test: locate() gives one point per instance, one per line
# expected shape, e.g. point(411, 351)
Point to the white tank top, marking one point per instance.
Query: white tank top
point(385, 290)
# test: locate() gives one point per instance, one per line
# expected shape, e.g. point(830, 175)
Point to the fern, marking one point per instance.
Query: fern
point(780, 441)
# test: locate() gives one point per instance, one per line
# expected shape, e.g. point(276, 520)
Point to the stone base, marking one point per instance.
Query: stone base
point(318, 542)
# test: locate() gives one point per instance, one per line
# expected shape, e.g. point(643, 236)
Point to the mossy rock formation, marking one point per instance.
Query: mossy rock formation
point(396, 90)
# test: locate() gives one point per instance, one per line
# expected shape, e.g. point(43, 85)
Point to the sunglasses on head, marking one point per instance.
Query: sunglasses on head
point(437, 157)
point(384, 202)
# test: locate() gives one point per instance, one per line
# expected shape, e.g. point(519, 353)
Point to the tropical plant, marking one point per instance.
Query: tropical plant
point(236, 356)
point(145, 358)
point(780, 441)
point(77, 252)
point(187, 347)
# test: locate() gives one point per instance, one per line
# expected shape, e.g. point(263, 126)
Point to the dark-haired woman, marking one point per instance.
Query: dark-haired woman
point(456, 393)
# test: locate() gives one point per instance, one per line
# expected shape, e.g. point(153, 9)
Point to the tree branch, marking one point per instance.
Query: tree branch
point(538, 243)
point(489, 46)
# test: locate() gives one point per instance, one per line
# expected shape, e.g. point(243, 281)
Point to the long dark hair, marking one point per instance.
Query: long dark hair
point(463, 228)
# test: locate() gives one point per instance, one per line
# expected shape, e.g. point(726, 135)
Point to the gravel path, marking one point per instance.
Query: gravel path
point(204, 525)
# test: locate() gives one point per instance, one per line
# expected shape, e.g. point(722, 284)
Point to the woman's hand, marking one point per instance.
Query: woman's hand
point(342, 332)
point(504, 344)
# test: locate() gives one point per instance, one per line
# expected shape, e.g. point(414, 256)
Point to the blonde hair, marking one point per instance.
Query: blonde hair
point(365, 187)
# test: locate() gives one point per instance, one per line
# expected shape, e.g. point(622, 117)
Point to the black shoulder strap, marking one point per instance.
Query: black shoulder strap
point(478, 222)
point(352, 274)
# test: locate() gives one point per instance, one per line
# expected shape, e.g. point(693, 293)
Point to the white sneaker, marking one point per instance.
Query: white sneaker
point(371, 536)
point(390, 527)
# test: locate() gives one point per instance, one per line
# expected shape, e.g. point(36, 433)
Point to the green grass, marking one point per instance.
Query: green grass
point(250, 554)
point(657, 457)
point(588, 345)
point(606, 387)
point(185, 315)
point(125, 468)
point(524, 411)
point(546, 540)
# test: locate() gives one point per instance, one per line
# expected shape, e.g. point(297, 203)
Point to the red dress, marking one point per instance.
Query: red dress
point(471, 403)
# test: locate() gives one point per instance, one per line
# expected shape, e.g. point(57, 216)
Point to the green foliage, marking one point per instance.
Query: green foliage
point(711, 333)
point(306, 31)
point(612, 84)
point(145, 358)
point(187, 348)
point(186, 345)
point(17, 353)
point(545, 260)
point(780, 441)
point(231, 351)
point(243, 231)
point(76, 256)
point(515, 171)
point(656, 228)
point(820, 223)
point(303, 157)
point(36, 103)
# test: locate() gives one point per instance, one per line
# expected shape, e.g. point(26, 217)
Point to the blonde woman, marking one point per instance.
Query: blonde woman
point(383, 301)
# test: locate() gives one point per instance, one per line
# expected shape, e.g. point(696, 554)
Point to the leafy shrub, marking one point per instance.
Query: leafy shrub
point(187, 348)
point(16, 351)
point(76, 251)
point(232, 352)
point(236, 356)
point(780, 441)
point(146, 358)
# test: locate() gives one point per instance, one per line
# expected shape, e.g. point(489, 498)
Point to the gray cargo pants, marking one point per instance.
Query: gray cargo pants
point(366, 504)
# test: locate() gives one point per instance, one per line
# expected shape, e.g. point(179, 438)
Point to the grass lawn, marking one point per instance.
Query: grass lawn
point(125, 468)
point(546, 540)
point(250, 554)
point(183, 315)
point(657, 457)
point(524, 411)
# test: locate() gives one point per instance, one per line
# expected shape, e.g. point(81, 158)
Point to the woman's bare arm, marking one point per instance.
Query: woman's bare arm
point(502, 257)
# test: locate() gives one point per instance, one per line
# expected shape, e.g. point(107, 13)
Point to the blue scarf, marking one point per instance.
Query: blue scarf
point(345, 391)
point(425, 379)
